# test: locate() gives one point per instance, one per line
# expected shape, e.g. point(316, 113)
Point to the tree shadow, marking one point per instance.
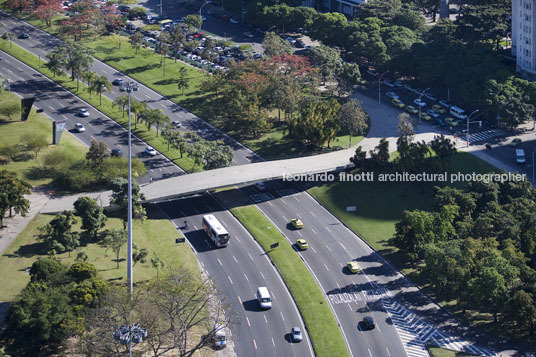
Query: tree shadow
point(24, 156)
point(166, 81)
point(105, 50)
point(141, 68)
point(30, 250)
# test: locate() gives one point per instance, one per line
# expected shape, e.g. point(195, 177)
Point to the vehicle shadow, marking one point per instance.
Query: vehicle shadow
point(251, 305)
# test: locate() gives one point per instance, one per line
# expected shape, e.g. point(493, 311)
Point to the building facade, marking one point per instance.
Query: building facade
point(524, 36)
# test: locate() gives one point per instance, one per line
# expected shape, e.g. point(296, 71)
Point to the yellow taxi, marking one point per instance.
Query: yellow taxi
point(439, 109)
point(425, 116)
point(451, 122)
point(296, 223)
point(398, 103)
point(412, 110)
point(353, 267)
point(302, 244)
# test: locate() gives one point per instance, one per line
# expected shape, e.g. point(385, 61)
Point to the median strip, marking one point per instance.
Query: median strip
point(148, 135)
point(323, 329)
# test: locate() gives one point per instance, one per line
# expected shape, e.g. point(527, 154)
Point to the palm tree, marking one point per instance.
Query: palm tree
point(182, 82)
point(121, 101)
point(137, 108)
point(161, 120)
point(99, 84)
point(88, 76)
point(149, 116)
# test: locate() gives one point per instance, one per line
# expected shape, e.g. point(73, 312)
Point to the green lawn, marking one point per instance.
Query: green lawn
point(379, 205)
point(442, 352)
point(106, 107)
point(322, 327)
point(11, 132)
point(157, 234)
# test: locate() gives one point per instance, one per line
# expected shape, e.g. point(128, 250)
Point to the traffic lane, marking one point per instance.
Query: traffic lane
point(242, 281)
point(328, 263)
point(41, 42)
point(507, 155)
point(59, 103)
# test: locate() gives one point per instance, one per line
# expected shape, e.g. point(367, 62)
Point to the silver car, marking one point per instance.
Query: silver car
point(296, 334)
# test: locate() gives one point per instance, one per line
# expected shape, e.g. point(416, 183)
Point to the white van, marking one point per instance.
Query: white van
point(458, 112)
point(263, 296)
point(520, 156)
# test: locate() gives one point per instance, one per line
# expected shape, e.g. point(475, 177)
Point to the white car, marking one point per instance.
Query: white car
point(419, 102)
point(83, 112)
point(150, 151)
point(79, 127)
point(177, 124)
point(234, 21)
point(296, 334)
point(392, 95)
point(248, 34)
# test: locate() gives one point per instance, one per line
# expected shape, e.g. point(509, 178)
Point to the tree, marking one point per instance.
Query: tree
point(10, 36)
point(99, 84)
point(183, 82)
point(353, 119)
point(327, 59)
point(12, 191)
point(136, 40)
point(160, 120)
point(46, 269)
point(9, 109)
point(379, 157)
point(157, 263)
point(177, 39)
point(524, 310)
point(89, 76)
point(414, 232)
point(139, 255)
point(217, 155)
point(122, 102)
point(35, 142)
point(91, 214)
point(275, 46)
point(115, 239)
point(163, 48)
point(81, 271)
point(97, 153)
point(317, 122)
point(406, 125)
point(444, 149)
point(78, 59)
point(120, 199)
point(489, 289)
point(150, 116)
point(193, 21)
point(359, 158)
point(58, 235)
point(137, 108)
point(349, 76)
point(46, 10)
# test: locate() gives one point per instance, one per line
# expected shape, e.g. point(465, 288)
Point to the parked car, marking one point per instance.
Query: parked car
point(515, 143)
point(23, 35)
point(261, 186)
point(445, 103)
point(451, 122)
point(440, 122)
point(150, 151)
point(83, 112)
point(431, 97)
point(439, 109)
point(234, 21)
point(392, 95)
point(432, 113)
point(116, 153)
point(248, 34)
point(290, 40)
point(296, 334)
point(398, 83)
point(117, 82)
point(372, 73)
point(398, 103)
point(79, 127)
point(425, 116)
point(299, 44)
point(177, 124)
point(389, 84)
point(420, 102)
point(368, 323)
point(412, 110)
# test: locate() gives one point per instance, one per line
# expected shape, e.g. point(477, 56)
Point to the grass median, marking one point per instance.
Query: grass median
point(141, 131)
point(321, 324)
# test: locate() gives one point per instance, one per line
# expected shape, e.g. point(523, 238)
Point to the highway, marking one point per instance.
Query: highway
point(40, 43)
point(238, 270)
point(59, 103)
point(332, 246)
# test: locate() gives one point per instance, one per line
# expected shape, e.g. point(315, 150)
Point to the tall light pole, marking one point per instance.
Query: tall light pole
point(160, 8)
point(468, 118)
point(498, 106)
point(129, 267)
point(420, 100)
point(201, 8)
point(533, 180)
point(380, 77)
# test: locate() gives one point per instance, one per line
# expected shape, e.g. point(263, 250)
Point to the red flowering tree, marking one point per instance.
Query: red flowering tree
point(19, 5)
point(45, 10)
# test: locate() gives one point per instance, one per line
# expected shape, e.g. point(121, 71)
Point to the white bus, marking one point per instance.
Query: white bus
point(458, 112)
point(215, 230)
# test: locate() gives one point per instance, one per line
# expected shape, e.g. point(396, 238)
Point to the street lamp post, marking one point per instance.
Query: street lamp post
point(420, 100)
point(271, 28)
point(533, 179)
point(380, 77)
point(126, 334)
point(498, 107)
point(201, 8)
point(468, 122)
point(129, 266)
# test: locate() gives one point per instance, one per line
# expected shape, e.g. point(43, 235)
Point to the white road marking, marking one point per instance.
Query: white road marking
point(247, 320)
point(282, 200)
point(235, 259)
point(389, 353)
point(296, 198)
point(327, 246)
point(147, 96)
point(51, 107)
point(196, 210)
point(326, 267)
point(240, 300)
point(254, 343)
point(250, 257)
point(265, 319)
point(283, 317)
point(312, 214)
point(313, 231)
point(329, 230)
point(219, 261)
point(262, 275)
point(270, 203)
point(343, 247)
point(284, 219)
point(314, 250)
point(338, 285)
point(237, 239)
point(246, 277)
point(300, 234)
point(370, 353)
point(273, 342)
point(230, 279)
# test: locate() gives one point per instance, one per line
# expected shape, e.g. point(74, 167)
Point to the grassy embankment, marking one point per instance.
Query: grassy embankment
point(321, 324)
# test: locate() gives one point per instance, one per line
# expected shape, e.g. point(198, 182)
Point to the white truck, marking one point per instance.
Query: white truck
point(220, 338)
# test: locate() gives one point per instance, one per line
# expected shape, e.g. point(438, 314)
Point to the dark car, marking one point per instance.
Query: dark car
point(368, 323)
point(117, 82)
point(299, 44)
point(24, 35)
point(116, 153)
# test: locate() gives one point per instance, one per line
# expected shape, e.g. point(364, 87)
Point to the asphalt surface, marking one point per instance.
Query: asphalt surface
point(40, 43)
point(238, 270)
point(59, 103)
point(331, 247)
